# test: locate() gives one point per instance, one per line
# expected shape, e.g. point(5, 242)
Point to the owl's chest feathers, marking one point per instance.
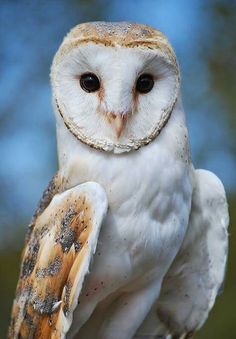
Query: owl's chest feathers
point(149, 194)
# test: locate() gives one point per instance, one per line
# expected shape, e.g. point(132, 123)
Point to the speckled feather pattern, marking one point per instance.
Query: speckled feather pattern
point(117, 33)
point(58, 244)
point(56, 185)
point(129, 240)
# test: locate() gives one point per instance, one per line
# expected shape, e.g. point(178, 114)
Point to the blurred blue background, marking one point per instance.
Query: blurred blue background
point(203, 35)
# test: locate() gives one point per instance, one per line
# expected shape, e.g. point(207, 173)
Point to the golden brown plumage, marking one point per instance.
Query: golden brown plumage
point(111, 34)
point(52, 265)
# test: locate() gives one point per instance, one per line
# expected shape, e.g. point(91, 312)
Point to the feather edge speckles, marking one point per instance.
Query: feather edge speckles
point(53, 268)
point(55, 186)
point(66, 298)
point(45, 287)
point(66, 237)
point(45, 305)
point(30, 259)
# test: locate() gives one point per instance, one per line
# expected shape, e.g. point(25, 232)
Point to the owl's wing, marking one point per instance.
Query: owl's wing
point(56, 185)
point(55, 261)
point(197, 273)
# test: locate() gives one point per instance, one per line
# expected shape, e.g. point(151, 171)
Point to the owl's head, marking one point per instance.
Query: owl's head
point(115, 84)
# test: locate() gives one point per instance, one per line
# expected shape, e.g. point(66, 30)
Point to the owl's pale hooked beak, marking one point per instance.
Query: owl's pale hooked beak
point(117, 121)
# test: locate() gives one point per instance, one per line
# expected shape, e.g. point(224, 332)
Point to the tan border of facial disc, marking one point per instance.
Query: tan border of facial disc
point(127, 35)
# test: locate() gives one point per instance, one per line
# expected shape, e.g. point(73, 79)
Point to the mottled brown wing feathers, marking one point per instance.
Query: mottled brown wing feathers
point(55, 262)
point(56, 185)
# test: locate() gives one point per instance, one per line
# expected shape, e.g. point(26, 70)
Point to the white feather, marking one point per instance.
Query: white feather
point(192, 283)
point(149, 189)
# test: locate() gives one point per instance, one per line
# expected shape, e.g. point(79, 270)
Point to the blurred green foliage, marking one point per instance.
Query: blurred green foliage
point(221, 59)
point(9, 269)
point(221, 323)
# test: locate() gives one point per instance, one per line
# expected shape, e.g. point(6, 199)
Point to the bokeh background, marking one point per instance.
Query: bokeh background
point(203, 35)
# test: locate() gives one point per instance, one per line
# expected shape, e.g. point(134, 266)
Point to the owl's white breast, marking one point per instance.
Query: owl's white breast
point(149, 194)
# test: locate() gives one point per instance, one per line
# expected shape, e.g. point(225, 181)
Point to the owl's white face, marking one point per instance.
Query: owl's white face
point(112, 97)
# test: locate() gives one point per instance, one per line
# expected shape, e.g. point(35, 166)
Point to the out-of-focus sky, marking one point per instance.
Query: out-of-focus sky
point(30, 34)
point(203, 35)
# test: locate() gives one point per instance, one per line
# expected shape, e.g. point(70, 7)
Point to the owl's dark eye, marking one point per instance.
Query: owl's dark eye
point(144, 83)
point(89, 82)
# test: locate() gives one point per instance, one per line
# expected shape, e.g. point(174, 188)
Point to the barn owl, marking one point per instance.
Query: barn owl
point(129, 240)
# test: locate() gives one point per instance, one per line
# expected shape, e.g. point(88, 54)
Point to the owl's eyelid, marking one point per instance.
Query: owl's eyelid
point(87, 73)
point(154, 76)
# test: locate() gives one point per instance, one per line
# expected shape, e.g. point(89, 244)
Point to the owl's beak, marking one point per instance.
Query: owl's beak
point(117, 121)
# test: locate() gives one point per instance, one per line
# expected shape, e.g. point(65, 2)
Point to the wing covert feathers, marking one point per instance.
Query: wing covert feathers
point(55, 261)
point(196, 275)
point(55, 186)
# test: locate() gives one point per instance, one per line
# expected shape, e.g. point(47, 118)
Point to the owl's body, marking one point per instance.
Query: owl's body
point(139, 234)
point(146, 220)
